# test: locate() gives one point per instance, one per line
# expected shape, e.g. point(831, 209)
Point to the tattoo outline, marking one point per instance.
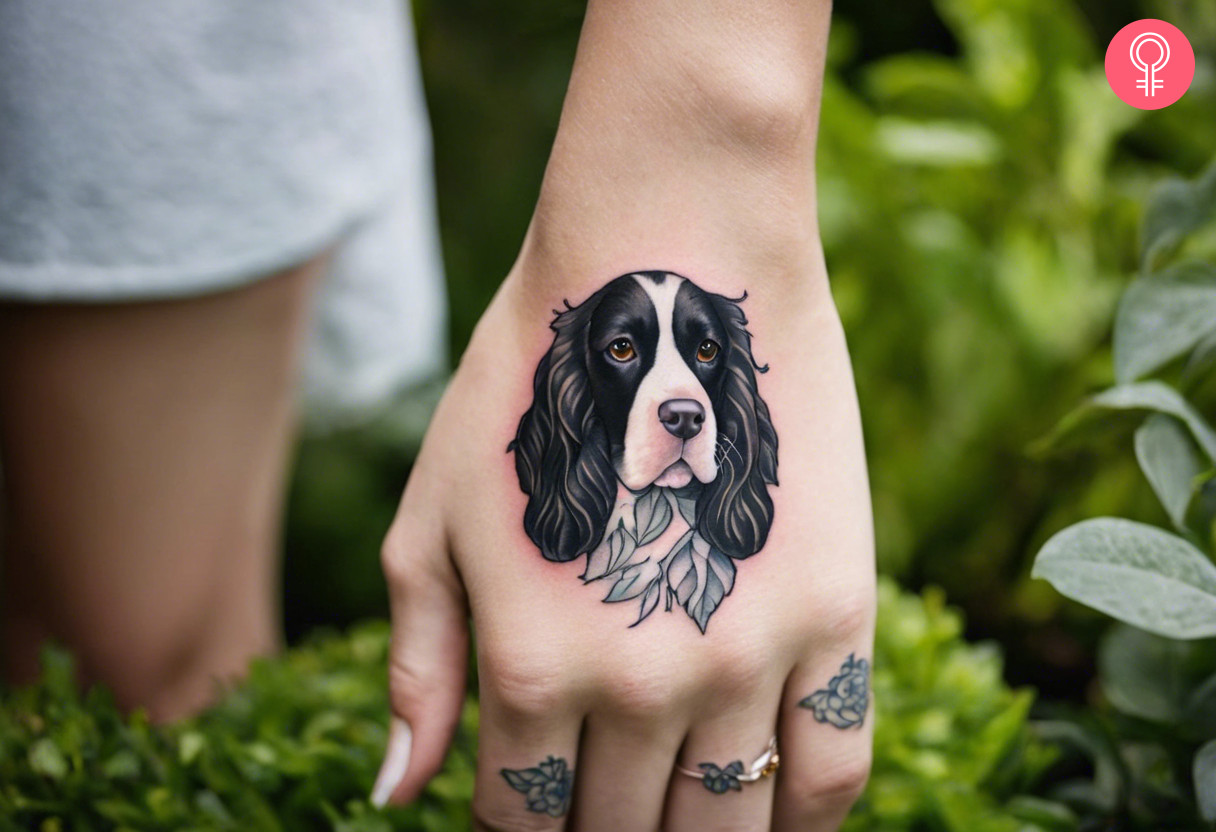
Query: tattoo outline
point(647, 446)
point(843, 703)
point(546, 787)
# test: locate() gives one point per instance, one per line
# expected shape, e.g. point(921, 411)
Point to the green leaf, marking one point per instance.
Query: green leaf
point(1045, 814)
point(1200, 712)
point(1162, 317)
point(190, 746)
point(1205, 780)
point(1144, 675)
point(993, 741)
point(46, 759)
point(1169, 461)
point(1178, 207)
point(937, 143)
point(1202, 360)
point(924, 84)
point(123, 765)
point(1144, 396)
point(1134, 572)
point(1105, 790)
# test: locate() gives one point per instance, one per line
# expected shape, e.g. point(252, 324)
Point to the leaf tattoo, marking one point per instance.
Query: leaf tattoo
point(692, 573)
point(634, 581)
point(844, 701)
point(651, 516)
point(546, 787)
point(611, 555)
point(699, 577)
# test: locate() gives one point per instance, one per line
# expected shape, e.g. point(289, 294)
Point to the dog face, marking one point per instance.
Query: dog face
point(655, 365)
point(649, 382)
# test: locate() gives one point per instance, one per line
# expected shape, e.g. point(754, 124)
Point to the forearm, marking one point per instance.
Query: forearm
point(687, 143)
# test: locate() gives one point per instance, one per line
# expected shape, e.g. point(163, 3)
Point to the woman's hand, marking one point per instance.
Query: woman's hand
point(615, 439)
point(565, 676)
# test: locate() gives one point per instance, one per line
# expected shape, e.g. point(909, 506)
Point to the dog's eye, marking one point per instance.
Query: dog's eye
point(621, 349)
point(708, 351)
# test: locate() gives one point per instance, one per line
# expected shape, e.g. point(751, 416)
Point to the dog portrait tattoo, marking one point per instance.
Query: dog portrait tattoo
point(647, 446)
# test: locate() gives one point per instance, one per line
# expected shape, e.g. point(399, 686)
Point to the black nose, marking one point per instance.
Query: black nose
point(682, 417)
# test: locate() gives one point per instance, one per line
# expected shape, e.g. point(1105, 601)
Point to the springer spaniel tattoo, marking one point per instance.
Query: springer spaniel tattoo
point(647, 446)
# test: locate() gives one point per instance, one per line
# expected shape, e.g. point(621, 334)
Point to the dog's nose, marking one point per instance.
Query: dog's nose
point(682, 417)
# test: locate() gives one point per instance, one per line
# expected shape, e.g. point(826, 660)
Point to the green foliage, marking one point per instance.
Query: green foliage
point(951, 745)
point(1136, 573)
point(296, 746)
point(978, 213)
point(1163, 689)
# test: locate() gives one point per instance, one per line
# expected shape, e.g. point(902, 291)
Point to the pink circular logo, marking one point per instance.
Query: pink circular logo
point(1150, 64)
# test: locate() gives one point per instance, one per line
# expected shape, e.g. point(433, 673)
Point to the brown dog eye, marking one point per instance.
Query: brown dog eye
point(708, 351)
point(621, 349)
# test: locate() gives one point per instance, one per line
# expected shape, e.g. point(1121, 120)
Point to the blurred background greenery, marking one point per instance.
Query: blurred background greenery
point(980, 191)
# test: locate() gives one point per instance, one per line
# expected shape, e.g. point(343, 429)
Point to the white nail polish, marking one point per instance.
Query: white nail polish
point(396, 761)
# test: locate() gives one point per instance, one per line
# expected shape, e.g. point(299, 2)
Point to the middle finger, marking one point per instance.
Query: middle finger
point(626, 765)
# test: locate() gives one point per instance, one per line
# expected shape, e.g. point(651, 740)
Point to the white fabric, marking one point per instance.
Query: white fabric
point(160, 148)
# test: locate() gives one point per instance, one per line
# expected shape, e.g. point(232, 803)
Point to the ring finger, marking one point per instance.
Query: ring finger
point(719, 750)
point(826, 736)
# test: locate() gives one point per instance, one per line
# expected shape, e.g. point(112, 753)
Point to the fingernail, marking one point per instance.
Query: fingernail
point(396, 761)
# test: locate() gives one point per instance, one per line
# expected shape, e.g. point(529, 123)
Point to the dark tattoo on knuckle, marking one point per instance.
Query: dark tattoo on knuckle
point(546, 787)
point(843, 703)
point(647, 446)
point(719, 780)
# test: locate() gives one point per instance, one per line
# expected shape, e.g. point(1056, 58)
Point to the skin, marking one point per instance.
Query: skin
point(144, 450)
point(686, 143)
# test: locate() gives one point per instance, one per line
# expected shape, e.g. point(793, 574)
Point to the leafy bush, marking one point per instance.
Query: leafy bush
point(978, 212)
point(951, 747)
point(1159, 666)
point(296, 746)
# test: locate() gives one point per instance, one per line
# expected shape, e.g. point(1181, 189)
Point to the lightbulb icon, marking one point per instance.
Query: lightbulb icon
point(1150, 83)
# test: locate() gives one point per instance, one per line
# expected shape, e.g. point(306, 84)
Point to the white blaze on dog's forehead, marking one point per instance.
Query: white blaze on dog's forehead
point(663, 296)
point(649, 448)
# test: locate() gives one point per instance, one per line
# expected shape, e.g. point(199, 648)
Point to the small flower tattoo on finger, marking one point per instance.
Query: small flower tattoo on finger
point(719, 780)
point(546, 787)
point(843, 702)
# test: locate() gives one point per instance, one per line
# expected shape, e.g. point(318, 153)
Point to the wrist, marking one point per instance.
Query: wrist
point(745, 75)
point(686, 144)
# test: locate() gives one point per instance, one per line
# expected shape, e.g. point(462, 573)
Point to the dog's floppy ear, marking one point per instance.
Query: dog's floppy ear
point(561, 449)
point(734, 512)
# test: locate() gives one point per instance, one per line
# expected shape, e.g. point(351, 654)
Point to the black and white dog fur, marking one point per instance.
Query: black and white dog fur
point(646, 408)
